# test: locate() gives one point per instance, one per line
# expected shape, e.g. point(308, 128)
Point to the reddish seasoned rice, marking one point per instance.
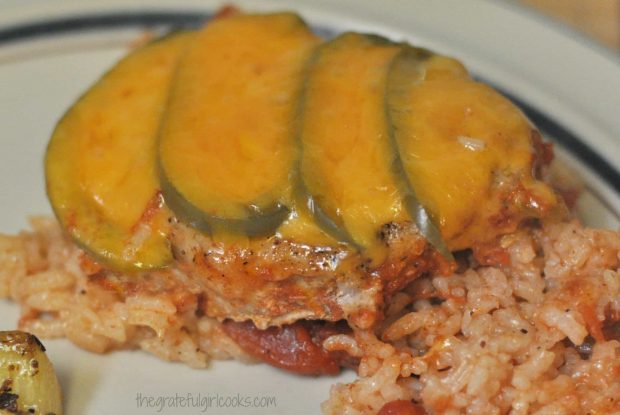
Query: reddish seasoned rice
point(494, 339)
point(47, 275)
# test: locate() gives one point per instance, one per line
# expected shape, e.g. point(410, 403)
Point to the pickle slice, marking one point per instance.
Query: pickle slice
point(346, 180)
point(352, 179)
point(226, 148)
point(100, 163)
point(466, 151)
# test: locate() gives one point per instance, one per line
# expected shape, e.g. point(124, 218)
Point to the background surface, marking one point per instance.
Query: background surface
point(599, 19)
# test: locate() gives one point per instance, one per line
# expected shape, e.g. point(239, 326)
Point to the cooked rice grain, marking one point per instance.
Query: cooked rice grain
point(489, 340)
point(61, 297)
point(502, 339)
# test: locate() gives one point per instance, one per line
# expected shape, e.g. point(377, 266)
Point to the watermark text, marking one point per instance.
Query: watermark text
point(204, 402)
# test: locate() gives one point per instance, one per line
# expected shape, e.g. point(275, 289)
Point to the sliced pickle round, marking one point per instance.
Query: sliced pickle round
point(100, 165)
point(351, 176)
point(467, 151)
point(226, 147)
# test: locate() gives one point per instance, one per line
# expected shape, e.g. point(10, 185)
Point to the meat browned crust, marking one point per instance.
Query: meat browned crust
point(274, 281)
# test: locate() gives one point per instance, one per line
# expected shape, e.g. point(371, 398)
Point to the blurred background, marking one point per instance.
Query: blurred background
point(599, 19)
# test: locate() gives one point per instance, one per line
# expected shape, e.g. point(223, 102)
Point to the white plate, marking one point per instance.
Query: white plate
point(51, 51)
